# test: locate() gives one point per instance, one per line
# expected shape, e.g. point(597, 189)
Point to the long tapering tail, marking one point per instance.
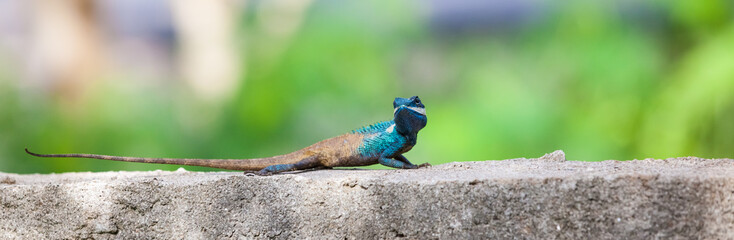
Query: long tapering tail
point(230, 164)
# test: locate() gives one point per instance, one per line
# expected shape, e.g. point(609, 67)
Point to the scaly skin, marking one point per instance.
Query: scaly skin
point(382, 143)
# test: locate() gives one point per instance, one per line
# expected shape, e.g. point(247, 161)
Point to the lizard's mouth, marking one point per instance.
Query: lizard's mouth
point(418, 110)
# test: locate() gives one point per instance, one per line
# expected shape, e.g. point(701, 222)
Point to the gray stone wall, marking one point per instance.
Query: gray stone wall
point(543, 198)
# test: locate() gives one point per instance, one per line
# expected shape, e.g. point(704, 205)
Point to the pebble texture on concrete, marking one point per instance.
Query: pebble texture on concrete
point(544, 198)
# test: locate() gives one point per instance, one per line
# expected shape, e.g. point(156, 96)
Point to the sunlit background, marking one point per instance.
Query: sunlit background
point(235, 79)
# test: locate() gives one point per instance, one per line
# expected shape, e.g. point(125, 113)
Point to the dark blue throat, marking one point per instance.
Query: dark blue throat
point(408, 122)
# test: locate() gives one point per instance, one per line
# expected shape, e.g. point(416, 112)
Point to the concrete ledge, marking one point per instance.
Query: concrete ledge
point(543, 198)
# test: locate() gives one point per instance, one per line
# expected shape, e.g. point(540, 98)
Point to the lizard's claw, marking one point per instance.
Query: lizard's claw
point(424, 165)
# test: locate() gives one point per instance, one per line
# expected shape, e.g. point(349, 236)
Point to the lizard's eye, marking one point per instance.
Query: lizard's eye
point(417, 101)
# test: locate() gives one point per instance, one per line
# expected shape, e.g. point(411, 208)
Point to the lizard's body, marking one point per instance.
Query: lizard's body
point(383, 143)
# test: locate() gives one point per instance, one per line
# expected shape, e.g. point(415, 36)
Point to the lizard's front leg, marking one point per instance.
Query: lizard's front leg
point(396, 163)
point(306, 163)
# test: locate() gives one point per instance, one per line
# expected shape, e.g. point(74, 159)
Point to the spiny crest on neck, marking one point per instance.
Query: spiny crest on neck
point(374, 128)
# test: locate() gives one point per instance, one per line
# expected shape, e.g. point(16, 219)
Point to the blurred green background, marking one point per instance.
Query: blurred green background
point(234, 79)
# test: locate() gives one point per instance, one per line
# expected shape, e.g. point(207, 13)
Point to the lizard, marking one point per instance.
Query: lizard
point(382, 142)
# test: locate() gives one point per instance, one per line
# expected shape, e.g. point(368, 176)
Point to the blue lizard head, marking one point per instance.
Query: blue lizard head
point(410, 115)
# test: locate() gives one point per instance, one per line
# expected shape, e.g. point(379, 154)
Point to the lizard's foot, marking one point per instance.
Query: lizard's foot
point(411, 166)
point(424, 165)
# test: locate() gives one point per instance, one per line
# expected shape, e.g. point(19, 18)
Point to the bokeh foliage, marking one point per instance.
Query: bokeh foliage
point(612, 80)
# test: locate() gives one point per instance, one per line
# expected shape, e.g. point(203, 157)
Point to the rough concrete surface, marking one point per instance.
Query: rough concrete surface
point(543, 198)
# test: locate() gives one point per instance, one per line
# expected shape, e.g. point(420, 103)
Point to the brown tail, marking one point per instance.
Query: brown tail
point(231, 164)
